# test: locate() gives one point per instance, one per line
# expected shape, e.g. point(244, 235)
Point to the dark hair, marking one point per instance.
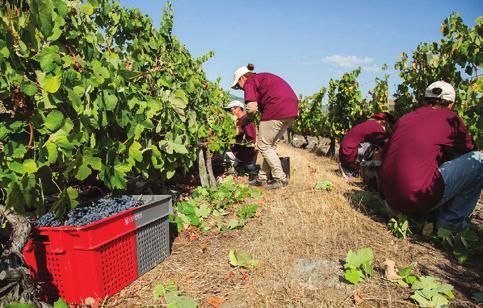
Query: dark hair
point(436, 101)
point(250, 67)
point(389, 118)
point(384, 116)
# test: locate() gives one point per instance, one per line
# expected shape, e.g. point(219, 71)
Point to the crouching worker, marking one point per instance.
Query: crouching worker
point(429, 165)
point(278, 105)
point(243, 151)
point(360, 145)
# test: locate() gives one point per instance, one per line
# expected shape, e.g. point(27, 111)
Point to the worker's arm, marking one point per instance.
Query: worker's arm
point(251, 108)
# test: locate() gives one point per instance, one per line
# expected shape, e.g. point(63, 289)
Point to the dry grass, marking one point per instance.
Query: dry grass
point(299, 224)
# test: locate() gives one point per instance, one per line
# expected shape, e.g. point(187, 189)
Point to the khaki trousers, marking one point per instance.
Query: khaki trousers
point(269, 133)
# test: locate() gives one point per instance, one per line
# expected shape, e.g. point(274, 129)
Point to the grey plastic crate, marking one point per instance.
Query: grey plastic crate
point(152, 234)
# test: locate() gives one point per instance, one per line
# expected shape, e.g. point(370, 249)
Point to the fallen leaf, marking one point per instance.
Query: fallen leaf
point(194, 234)
point(245, 276)
point(215, 301)
point(203, 247)
point(390, 270)
point(358, 298)
point(241, 259)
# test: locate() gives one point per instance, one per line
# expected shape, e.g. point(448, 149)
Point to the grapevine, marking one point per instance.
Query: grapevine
point(94, 93)
point(455, 59)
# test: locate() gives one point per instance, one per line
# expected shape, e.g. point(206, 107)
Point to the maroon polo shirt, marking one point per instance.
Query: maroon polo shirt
point(369, 131)
point(420, 142)
point(248, 134)
point(276, 99)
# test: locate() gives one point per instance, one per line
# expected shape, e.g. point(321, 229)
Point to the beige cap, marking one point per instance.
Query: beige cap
point(235, 104)
point(238, 73)
point(441, 89)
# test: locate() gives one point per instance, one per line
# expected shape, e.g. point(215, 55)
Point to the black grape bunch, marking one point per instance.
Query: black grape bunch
point(90, 212)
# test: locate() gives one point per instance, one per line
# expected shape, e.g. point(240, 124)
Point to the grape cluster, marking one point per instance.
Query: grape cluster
point(90, 212)
point(47, 220)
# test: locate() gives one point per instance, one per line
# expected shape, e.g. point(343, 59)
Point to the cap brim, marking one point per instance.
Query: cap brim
point(235, 85)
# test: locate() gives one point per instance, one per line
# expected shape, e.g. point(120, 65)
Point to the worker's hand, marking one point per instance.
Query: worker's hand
point(252, 107)
point(377, 155)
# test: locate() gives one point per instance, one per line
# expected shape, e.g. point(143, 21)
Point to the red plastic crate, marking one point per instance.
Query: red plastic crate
point(99, 259)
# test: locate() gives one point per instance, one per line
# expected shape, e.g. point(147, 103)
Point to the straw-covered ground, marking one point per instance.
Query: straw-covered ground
point(300, 237)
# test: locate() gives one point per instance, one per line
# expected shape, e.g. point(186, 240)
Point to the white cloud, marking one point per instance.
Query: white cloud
point(367, 64)
point(348, 61)
point(373, 68)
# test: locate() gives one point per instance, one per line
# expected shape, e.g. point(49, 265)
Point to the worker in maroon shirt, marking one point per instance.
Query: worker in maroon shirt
point(429, 164)
point(362, 141)
point(243, 151)
point(278, 105)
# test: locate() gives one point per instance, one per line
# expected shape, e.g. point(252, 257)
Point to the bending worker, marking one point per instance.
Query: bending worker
point(243, 151)
point(429, 164)
point(362, 141)
point(278, 105)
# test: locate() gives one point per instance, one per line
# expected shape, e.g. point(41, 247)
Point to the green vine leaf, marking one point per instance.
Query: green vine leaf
point(43, 10)
point(51, 84)
point(87, 9)
point(54, 120)
point(241, 259)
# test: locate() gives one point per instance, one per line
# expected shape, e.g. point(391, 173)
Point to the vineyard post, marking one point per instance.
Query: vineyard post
point(203, 173)
point(209, 167)
point(331, 151)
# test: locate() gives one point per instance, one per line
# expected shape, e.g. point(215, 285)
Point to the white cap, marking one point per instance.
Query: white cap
point(238, 73)
point(235, 104)
point(442, 90)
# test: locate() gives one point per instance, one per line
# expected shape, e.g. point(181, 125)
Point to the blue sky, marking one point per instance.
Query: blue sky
point(307, 42)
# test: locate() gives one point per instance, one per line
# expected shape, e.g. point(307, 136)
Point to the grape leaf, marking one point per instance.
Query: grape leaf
point(83, 172)
point(176, 301)
point(29, 88)
point(54, 120)
point(403, 272)
point(43, 10)
point(247, 211)
point(203, 211)
point(135, 151)
point(158, 291)
point(354, 276)
point(87, 8)
point(421, 300)
point(51, 84)
point(425, 282)
point(324, 185)
point(241, 259)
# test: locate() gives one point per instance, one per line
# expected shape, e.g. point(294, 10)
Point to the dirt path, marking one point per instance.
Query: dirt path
point(300, 238)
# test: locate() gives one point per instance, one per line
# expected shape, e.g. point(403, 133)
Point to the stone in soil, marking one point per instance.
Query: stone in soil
point(318, 274)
